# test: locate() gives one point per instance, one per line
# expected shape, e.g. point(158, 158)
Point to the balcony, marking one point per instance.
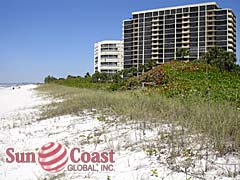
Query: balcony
point(186, 26)
point(155, 43)
point(155, 30)
point(231, 34)
point(155, 19)
point(155, 33)
point(185, 41)
point(154, 57)
point(155, 24)
point(186, 20)
point(186, 16)
point(185, 45)
point(109, 60)
point(210, 13)
point(187, 31)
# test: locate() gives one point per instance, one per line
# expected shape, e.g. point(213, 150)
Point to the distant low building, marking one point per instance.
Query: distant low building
point(108, 56)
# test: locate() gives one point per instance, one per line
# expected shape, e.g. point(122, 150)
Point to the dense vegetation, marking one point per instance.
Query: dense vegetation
point(192, 78)
point(215, 77)
point(203, 96)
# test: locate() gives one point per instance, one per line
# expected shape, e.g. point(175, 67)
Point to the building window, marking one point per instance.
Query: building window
point(193, 9)
point(194, 15)
point(211, 7)
point(185, 10)
point(170, 21)
point(179, 15)
point(194, 24)
point(221, 27)
point(161, 12)
point(221, 38)
point(202, 13)
point(202, 33)
point(170, 17)
point(135, 16)
point(155, 13)
point(221, 12)
point(173, 11)
point(221, 22)
point(221, 33)
point(202, 19)
point(148, 15)
point(194, 19)
point(202, 8)
point(202, 23)
point(179, 10)
point(221, 43)
point(222, 17)
point(167, 12)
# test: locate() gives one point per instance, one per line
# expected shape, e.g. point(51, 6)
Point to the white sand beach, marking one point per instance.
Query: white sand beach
point(21, 129)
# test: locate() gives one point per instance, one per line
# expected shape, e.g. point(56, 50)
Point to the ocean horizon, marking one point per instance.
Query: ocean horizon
point(5, 85)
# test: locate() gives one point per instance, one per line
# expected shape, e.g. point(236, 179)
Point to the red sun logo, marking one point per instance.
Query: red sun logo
point(53, 157)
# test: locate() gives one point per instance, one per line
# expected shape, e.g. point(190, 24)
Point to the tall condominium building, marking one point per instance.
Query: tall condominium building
point(159, 34)
point(108, 56)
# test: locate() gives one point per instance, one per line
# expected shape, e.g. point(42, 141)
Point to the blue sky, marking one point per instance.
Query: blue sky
point(56, 37)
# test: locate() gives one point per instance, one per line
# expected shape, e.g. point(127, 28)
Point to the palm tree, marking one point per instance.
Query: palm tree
point(182, 53)
point(142, 68)
point(150, 64)
point(87, 75)
point(132, 71)
point(220, 58)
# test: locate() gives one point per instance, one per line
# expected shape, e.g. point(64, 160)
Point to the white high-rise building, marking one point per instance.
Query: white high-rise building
point(108, 56)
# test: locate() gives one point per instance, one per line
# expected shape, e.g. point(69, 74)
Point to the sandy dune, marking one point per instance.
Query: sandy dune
point(19, 128)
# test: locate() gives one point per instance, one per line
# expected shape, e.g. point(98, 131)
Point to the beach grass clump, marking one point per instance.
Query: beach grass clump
point(215, 120)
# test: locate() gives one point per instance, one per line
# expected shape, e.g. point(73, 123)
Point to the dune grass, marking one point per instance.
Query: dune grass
point(215, 120)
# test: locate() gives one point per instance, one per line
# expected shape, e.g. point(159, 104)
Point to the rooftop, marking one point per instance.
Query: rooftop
point(109, 41)
point(176, 7)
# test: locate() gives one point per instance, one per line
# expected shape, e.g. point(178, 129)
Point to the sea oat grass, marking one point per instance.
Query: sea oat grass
point(217, 120)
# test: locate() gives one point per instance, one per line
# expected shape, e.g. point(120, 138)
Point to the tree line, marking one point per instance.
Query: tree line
point(225, 61)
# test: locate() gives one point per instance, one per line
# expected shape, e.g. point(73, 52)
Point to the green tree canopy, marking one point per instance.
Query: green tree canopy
point(87, 75)
point(49, 79)
point(182, 53)
point(220, 58)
